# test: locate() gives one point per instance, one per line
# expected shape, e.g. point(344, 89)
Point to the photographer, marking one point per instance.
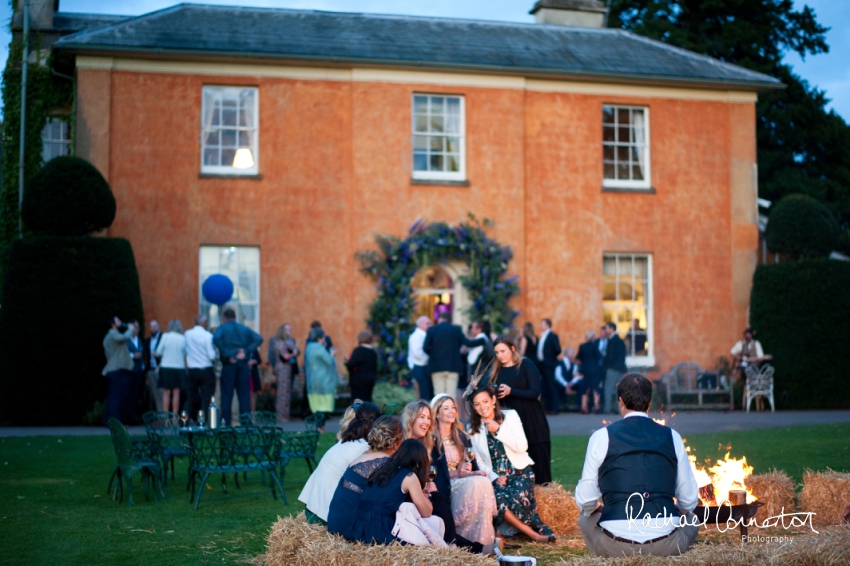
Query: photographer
point(118, 371)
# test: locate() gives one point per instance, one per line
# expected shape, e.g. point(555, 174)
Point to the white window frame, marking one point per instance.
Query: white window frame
point(459, 175)
point(63, 142)
point(628, 183)
point(649, 305)
point(237, 303)
point(254, 132)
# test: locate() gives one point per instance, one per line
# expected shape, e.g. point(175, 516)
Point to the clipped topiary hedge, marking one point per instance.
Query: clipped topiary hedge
point(68, 197)
point(57, 294)
point(801, 313)
point(801, 226)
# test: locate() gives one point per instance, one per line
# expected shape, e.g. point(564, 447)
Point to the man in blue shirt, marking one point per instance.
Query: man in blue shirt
point(235, 342)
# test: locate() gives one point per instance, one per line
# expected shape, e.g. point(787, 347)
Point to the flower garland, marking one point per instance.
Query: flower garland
point(395, 263)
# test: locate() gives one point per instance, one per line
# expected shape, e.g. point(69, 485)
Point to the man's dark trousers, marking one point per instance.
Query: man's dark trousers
point(423, 378)
point(201, 390)
point(235, 376)
point(119, 393)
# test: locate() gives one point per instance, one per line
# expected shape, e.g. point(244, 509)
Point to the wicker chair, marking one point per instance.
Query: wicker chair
point(759, 382)
point(134, 457)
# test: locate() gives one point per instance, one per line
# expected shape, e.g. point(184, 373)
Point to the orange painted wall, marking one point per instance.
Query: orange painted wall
point(335, 161)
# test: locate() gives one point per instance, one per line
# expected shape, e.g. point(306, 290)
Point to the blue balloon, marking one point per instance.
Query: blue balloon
point(217, 289)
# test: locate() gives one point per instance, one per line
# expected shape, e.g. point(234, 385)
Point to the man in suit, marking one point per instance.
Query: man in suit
point(564, 374)
point(442, 344)
point(152, 363)
point(614, 365)
point(136, 346)
point(548, 349)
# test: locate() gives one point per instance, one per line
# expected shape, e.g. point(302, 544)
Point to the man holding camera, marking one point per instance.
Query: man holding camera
point(118, 371)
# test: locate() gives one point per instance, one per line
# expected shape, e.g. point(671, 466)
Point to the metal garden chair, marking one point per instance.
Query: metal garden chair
point(315, 421)
point(258, 418)
point(235, 450)
point(134, 457)
point(163, 429)
point(297, 445)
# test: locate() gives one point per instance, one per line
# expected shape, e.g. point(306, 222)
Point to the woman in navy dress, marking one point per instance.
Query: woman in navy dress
point(402, 476)
point(384, 439)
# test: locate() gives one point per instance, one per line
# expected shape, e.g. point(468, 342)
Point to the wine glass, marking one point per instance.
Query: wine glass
point(432, 472)
point(201, 418)
point(184, 416)
point(501, 469)
point(470, 454)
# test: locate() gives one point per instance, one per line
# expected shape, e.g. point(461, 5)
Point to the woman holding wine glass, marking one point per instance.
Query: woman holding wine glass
point(464, 498)
point(501, 450)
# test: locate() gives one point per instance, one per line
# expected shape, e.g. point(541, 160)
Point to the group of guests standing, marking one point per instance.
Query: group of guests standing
point(425, 480)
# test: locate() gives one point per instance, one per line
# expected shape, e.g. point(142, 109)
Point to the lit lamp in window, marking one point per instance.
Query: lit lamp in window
point(243, 159)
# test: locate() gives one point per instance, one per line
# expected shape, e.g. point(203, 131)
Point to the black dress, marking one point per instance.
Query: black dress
point(525, 400)
point(441, 499)
point(362, 372)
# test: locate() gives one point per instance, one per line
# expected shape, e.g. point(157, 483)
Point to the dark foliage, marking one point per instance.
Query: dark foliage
point(801, 313)
point(56, 296)
point(802, 148)
point(68, 197)
point(801, 226)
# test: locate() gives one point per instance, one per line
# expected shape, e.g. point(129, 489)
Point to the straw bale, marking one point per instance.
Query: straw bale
point(293, 541)
point(831, 547)
point(776, 490)
point(557, 508)
point(826, 494)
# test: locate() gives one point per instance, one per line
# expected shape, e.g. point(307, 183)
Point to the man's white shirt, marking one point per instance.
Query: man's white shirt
point(473, 355)
point(588, 493)
point(416, 356)
point(200, 352)
point(540, 344)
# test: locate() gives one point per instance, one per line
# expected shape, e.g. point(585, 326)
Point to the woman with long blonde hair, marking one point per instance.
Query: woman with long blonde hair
point(464, 498)
point(517, 384)
point(416, 420)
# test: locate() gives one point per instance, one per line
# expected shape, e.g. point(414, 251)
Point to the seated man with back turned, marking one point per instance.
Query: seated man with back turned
point(637, 466)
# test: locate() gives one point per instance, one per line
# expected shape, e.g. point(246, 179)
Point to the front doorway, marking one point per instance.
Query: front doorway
point(438, 289)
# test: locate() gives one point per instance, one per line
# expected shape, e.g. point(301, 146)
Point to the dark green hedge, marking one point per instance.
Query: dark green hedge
point(801, 226)
point(56, 297)
point(68, 197)
point(801, 313)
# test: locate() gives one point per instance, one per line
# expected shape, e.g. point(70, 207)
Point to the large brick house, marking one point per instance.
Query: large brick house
point(273, 144)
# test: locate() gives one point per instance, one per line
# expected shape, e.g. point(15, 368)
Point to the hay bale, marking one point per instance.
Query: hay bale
point(826, 494)
point(829, 548)
point(293, 541)
point(557, 508)
point(776, 490)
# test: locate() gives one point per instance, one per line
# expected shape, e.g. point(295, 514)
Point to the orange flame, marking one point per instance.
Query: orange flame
point(724, 476)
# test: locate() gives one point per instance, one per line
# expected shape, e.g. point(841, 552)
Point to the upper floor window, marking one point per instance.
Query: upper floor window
point(229, 136)
point(438, 137)
point(625, 147)
point(55, 139)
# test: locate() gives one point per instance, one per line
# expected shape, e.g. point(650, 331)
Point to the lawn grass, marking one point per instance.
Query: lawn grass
point(55, 509)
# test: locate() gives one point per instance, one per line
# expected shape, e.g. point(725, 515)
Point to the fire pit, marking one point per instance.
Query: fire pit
point(726, 477)
point(714, 515)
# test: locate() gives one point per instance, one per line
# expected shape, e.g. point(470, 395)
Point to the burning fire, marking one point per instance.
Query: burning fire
point(725, 475)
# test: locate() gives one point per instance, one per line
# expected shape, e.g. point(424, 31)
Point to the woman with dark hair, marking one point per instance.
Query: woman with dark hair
point(501, 449)
point(320, 487)
point(384, 439)
point(363, 367)
point(517, 384)
point(402, 476)
point(528, 341)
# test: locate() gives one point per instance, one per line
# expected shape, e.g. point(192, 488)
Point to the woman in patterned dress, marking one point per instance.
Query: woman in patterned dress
point(501, 450)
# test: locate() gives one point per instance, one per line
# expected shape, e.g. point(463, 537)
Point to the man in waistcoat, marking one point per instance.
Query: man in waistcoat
point(637, 467)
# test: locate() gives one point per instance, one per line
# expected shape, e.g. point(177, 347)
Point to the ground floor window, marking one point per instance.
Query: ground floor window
point(242, 265)
point(627, 302)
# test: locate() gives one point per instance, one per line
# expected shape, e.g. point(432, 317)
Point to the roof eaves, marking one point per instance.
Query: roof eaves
point(532, 72)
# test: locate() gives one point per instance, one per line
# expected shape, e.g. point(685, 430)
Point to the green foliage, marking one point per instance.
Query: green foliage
point(395, 263)
point(68, 197)
point(393, 397)
point(802, 148)
point(57, 295)
point(801, 313)
point(46, 94)
point(801, 226)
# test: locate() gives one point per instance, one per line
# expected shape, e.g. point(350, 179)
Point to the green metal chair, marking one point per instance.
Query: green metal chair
point(163, 429)
point(234, 450)
point(315, 421)
point(134, 457)
point(258, 418)
point(297, 445)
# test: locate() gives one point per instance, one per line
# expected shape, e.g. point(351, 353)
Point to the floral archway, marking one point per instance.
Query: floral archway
point(397, 260)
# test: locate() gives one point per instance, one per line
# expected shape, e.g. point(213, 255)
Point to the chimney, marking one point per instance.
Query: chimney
point(41, 14)
point(581, 13)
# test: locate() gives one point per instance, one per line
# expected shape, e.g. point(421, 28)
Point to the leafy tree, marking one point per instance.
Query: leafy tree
point(802, 227)
point(802, 148)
